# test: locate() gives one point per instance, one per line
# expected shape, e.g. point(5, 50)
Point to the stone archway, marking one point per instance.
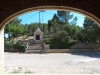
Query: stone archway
point(64, 8)
point(89, 8)
point(10, 7)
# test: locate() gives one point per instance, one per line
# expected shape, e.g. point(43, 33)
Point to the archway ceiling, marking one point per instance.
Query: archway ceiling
point(9, 7)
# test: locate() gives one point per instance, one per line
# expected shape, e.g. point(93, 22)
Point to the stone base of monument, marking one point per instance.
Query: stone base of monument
point(38, 45)
point(37, 41)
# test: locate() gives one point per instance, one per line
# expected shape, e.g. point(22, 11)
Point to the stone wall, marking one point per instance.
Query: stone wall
point(46, 46)
point(70, 50)
point(10, 50)
point(85, 46)
point(1, 52)
point(63, 50)
point(25, 42)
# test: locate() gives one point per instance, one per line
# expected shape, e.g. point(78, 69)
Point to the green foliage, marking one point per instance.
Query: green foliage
point(8, 45)
point(74, 21)
point(59, 26)
point(63, 32)
point(91, 31)
point(73, 31)
point(64, 16)
point(28, 72)
point(57, 44)
point(14, 28)
point(15, 72)
point(48, 40)
point(68, 39)
point(16, 46)
point(88, 23)
point(52, 24)
point(60, 35)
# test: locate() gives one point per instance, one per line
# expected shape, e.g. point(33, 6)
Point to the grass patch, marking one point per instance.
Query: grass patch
point(28, 72)
point(15, 71)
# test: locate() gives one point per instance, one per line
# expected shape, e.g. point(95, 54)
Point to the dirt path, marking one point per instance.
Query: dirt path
point(59, 63)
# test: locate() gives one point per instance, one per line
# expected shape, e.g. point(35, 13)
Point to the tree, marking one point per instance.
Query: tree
point(53, 23)
point(60, 35)
point(64, 16)
point(49, 25)
point(88, 23)
point(13, 28)
point(45, 28)
point(90, 30)
point(74, 21)
point(60, 22)
point(73, 30)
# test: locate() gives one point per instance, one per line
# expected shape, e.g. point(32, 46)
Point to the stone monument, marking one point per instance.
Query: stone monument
point(38, 36)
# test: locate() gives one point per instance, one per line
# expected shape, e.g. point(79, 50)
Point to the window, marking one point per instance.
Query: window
point(37, 37)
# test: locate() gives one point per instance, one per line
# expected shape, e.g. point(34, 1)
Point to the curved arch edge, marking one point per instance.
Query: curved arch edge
point(64, 8)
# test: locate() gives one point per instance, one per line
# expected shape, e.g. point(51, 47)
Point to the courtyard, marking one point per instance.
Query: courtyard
point(52, 63)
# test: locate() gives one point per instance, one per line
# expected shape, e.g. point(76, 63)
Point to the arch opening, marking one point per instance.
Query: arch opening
point(45, 8)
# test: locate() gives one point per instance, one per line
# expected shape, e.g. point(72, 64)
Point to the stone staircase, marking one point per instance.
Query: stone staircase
point(35, 48)
point(33, 45)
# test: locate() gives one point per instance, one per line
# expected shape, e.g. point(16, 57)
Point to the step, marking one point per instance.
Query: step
point(34, 51)
point(35, 46)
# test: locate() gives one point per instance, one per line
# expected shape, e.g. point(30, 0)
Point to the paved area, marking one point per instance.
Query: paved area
point(52, 63)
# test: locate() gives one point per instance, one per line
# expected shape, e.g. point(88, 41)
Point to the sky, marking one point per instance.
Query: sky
point(32, 17)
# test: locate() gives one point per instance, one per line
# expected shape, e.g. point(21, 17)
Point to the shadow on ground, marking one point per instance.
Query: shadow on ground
point(92, 54)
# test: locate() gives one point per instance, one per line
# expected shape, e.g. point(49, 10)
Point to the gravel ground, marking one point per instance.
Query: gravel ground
point(52, 63)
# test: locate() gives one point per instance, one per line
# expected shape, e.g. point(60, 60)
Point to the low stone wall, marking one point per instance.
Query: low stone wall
point(79, 47)
point(70, 50)
point(61, 50)
point(85, 46)
point(10, 50)
point(46, 46)
point(25, 42)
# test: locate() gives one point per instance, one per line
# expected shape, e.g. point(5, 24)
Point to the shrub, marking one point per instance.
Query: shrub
point(8, 45)
point(47, 40)
point(60, 35)
point(58, 44)
point(18, 46)
point(68, 39)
